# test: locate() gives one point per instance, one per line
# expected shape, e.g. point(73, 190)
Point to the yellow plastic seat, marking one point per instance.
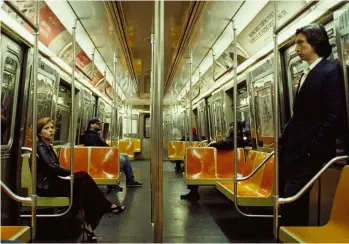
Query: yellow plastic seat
point(337, 228)
point(176, 150)
point(126, 146)
point(15, 233)
point(26, 179)
point(104, 165)
point(200, 166)
point(136, 145)
point(101, 163)
point(256, 191)
point(207, 165)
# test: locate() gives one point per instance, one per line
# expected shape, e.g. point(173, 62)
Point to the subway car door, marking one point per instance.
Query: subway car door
point(12, 100)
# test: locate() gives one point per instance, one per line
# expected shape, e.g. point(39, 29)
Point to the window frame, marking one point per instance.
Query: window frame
point(8, 53)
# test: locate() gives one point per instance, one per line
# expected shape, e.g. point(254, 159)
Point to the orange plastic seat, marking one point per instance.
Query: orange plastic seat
point(206, 165)
point(225, 163)
point(104, 165)
point(176, 150)
point(127, 148)
point(136, 145)
point(337, 228)
point(15, 233)
point(81, 158)
point(255, 191)
point(200, 166)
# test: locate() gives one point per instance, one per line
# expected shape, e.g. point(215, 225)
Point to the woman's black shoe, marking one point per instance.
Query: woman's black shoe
point(91, 237)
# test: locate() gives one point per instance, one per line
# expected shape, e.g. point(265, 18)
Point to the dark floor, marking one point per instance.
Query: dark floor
point(212, 219)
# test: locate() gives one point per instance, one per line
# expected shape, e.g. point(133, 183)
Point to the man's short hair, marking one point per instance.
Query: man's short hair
point(317, 37)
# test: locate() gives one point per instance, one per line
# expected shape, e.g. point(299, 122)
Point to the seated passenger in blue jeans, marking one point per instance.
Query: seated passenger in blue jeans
point(94, 138)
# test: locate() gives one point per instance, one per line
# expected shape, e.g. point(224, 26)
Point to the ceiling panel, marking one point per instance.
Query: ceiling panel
point(215, 18)
point(98, 24)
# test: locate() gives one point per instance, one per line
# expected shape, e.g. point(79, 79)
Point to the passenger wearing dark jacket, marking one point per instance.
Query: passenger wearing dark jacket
point(226, 144)
point(309, 138)
point(92, 137)
point(87, 195)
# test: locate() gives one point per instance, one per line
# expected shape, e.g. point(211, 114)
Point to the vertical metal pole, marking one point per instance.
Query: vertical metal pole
point(235, 109)
point(72, 127)
point(190, 99)
point(93, 64)
point(152, 165)
point(276, 131)
point(345, 77)
point(34, 149)
point(156, 139)
point(113, 114)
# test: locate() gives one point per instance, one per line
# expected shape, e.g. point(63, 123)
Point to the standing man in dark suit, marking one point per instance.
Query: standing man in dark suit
point(309, 139)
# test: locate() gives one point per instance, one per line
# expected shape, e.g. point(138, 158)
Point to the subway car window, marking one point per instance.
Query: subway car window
point(8, 96)
point(44, 97)
point(62, 116)
point(264, 110)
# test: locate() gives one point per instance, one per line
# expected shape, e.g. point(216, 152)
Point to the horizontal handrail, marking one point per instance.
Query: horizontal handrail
point(13, 195)
point(20, 14)
point(202, 143)
point(307, 186)
point(257, 168)
point(211, 143)
point(26, 149)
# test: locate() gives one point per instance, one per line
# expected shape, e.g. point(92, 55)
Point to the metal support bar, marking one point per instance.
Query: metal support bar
point(13, 7)
point(257, 168)
point(152, 165)
point(157, 119)
point(213, 65)
point(276, 131)
point(13, 195)
point(345, 78)
point(35, 91)
point(115, 118)
point(235, 133)
point(190, 99)
point(93, 64)
point(312, 181)
point(72, 139)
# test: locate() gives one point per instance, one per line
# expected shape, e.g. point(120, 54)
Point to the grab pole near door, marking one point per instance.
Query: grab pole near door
point(157, 119)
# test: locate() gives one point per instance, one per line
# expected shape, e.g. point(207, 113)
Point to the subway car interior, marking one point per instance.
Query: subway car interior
point(181, 111)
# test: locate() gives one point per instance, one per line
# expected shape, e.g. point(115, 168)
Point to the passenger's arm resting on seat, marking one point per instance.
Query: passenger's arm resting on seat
point(224, 144)
point(332, 110)
point(51, 162)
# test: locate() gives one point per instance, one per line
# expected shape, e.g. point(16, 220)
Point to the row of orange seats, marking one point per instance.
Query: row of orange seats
point(209, 166)
point(102, 163)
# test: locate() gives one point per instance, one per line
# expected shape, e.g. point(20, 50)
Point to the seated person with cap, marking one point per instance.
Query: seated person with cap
point(94, 138)
point(226, 144)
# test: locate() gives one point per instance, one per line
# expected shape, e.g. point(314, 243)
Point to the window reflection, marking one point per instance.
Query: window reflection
point(63, 116)
point(7, 97)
